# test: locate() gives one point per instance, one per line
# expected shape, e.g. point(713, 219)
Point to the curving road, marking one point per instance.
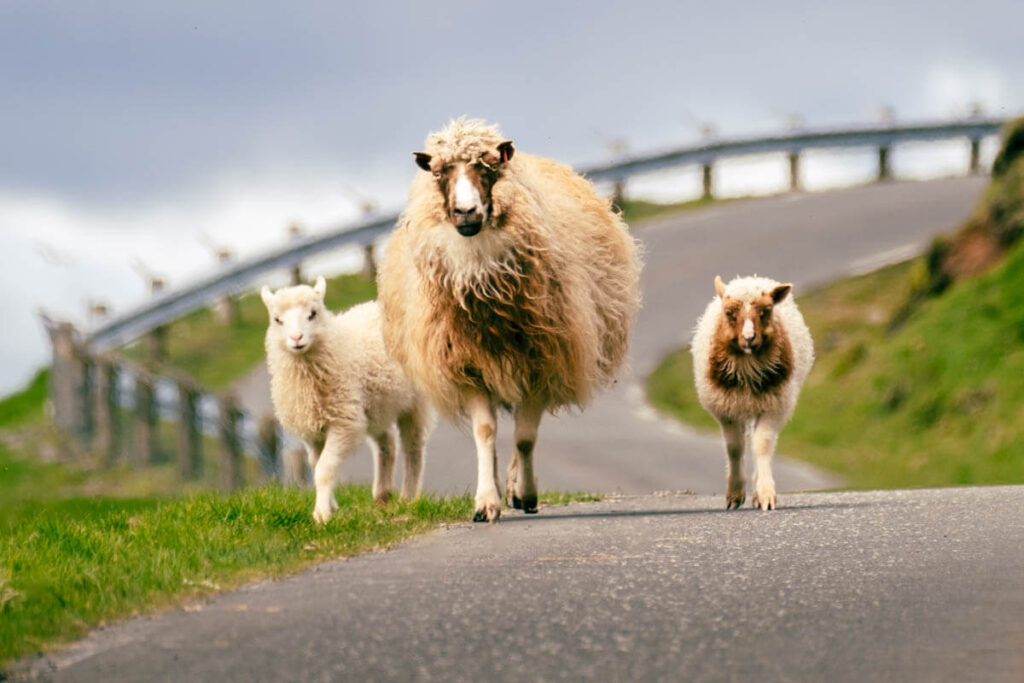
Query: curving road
point(619, 443)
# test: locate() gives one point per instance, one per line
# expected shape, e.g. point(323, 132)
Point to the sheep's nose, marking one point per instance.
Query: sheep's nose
point(748, 330)
point(465, 211)
point(296, 337)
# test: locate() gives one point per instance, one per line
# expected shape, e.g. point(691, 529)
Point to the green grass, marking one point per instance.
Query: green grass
point(216, 354)
point(938, 401)
point(634, 210)
point(27, 404)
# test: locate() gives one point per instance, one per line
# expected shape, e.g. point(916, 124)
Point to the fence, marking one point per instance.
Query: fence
point(113, 407)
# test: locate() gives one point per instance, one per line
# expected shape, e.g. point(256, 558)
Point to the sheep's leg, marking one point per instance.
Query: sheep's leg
point(383, 447)
point(485, 425)
point(313, 449)
point(338, 446)
point(413, 427)
point(521, 489)
point(735, 484)
point(766, 434)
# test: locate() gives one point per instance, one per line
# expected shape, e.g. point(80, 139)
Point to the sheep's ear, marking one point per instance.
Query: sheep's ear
point(321, 286)
point(505, 151)
point(422, 160)
point(267, 296)
point(719, 286)
point(781, 292)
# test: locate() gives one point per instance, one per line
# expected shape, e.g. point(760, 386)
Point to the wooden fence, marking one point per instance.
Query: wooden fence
point(114, 408)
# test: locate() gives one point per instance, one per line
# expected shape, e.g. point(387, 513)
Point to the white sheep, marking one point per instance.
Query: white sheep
point(333, 385)
point(508, 282)
point(752, 352)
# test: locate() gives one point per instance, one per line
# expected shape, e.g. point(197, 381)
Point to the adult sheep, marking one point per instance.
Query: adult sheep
point(508, 283)
point(333, 385)
point(751, 354)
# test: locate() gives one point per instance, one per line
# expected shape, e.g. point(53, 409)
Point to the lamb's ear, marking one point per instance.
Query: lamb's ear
point(422, 160)
point(719, 287)
point(267, 296)
point(781, 292)
point(321, 286)
point(505, 151)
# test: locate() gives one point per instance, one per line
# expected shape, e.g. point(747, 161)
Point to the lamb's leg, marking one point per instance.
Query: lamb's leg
point(383, 447)
point(413, 428)
point(338, 446)
point(522, 483)
point(485, 426)
point(735, 484)
point(766, 433)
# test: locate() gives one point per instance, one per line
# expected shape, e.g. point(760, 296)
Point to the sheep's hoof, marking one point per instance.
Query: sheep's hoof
point(765, 501)
point(527, 504)
point(488, 513)
point(382, 498)
point(734, 502)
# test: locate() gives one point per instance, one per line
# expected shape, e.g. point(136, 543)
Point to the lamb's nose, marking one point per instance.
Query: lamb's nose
point(296, 337)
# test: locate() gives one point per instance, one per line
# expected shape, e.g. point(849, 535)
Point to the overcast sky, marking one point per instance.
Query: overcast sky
point(130, 129)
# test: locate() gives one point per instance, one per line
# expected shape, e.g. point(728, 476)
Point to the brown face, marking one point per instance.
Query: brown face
point(466, 186)
point(746, 326)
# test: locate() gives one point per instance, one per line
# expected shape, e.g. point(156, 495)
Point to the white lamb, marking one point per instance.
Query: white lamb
point(751, 354)
point(333, 385)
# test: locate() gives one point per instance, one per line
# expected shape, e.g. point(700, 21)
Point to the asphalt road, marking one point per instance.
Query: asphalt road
point(619, 444)
point(919, 585)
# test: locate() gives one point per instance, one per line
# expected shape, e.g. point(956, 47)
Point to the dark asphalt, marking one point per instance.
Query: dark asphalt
point(619, 443)
point(920, 585)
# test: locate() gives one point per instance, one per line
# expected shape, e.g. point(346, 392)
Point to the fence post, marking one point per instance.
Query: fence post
point(107, 437)
point(884, 166)
point(707, 181)
point(975, 156)
point(144, 442)
point(270, 446)
point(231, 444)
point(190, 442)
point(794, 171)
point(369, 262)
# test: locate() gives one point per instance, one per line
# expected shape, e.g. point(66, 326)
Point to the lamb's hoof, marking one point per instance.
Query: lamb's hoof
point(488, 513)
point(322, 515)
point(382, 499)
point(765, 500)
point(527, 504)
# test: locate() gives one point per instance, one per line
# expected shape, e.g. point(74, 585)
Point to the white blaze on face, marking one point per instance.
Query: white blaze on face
point(748, 329)
point(467, 197)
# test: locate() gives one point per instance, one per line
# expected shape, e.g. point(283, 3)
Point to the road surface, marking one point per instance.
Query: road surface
point(619, 444)
point(919, 585)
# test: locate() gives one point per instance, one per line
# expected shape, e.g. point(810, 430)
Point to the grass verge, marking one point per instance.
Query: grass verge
point(634, 210)
point(937, 401)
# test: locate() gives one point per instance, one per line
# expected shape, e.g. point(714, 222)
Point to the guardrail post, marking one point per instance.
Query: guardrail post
point(708, 194)
point(190, 441)
point(270, 446)
point(369, 262)
point(975, 156)
point(156, 344)
point(67, 377)
point(794, 171)
point(231, 444)
point(884, 167)
point(107, 437)
point(144, 434)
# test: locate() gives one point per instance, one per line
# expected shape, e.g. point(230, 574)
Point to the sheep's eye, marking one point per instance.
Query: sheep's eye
point(731, 315)
point(278, 321)
point(312, 314)
point(766, 313)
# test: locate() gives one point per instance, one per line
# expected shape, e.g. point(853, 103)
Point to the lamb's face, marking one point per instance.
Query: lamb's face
point(747, 324)
point(465, 185)
point(296, 315)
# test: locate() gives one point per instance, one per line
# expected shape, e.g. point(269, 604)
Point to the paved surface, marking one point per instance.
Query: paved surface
point(920, 585)
point(619, 444)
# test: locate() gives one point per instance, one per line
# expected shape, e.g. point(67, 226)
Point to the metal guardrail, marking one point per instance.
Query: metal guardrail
point(173, 305)
point(867, 136)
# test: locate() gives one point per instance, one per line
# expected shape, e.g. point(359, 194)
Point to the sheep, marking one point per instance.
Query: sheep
point(333, 385)
point(751, 354)
point(508, 283)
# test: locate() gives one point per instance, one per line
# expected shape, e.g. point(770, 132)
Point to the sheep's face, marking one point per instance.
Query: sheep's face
point(466, 185)
point(746, 325)
point(296, 315)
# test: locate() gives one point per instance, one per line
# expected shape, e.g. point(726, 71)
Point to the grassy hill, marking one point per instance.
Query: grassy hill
point(920, 373)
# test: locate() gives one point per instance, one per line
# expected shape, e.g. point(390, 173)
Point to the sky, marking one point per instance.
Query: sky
point(135, 135)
